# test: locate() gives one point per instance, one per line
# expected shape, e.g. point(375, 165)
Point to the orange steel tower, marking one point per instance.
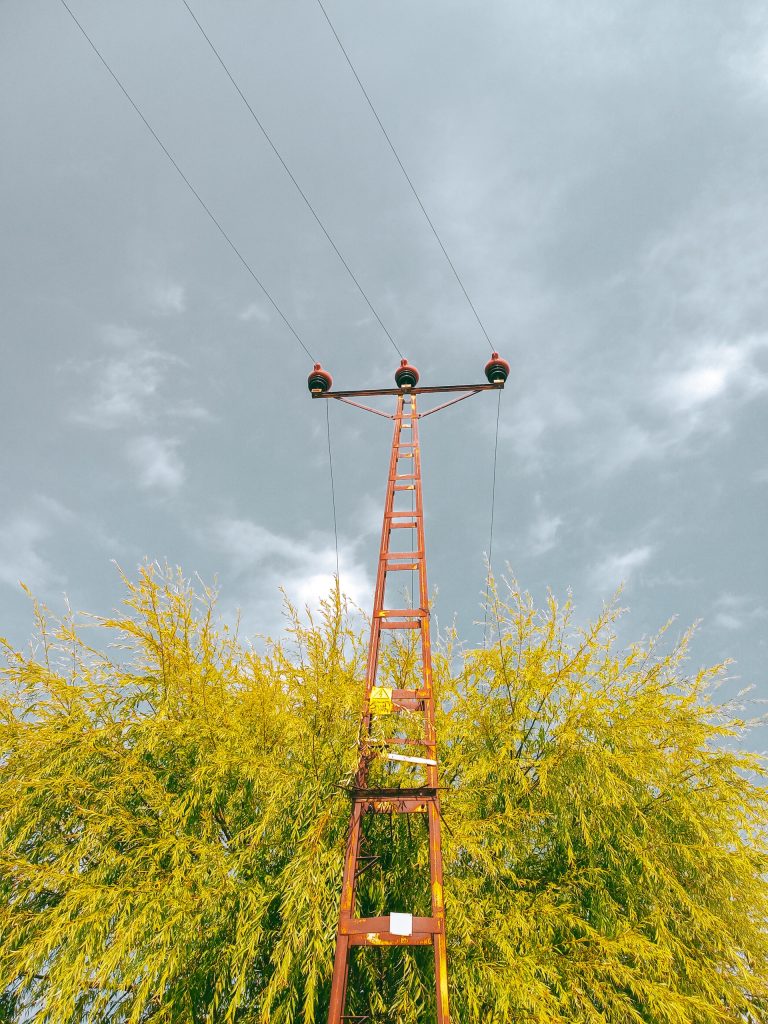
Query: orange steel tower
point(413, 756)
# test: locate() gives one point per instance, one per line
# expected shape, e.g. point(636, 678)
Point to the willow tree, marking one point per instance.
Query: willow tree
point(173, 814)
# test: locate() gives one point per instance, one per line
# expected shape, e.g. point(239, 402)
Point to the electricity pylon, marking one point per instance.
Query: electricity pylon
point(414, 757)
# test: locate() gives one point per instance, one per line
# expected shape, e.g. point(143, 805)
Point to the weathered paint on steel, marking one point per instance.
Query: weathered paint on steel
point(419, 798)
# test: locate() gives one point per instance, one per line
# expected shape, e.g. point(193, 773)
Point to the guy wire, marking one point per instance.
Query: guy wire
point(333, 492)
point(493, 510)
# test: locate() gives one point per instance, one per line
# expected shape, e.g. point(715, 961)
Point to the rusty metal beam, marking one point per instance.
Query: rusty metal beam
point(402, 805)
point(393, 791)
point(387, 939)
point(400, 392)
point(380, 926)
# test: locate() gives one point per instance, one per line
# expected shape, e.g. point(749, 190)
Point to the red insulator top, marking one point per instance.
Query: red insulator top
point(497, 369)
point(406, 375)
point(319, 379)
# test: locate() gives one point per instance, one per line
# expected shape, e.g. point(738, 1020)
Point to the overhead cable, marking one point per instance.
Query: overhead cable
point(493, 511)
point(290, 174)
point(188, 183)
point(333, 490)
point(407, 177)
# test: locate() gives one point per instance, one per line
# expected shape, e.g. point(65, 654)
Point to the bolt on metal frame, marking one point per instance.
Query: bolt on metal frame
point(397, 929)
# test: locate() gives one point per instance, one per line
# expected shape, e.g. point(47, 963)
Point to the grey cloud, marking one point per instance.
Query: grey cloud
point(739, 611)
point(126, 380)
point(25, 545)
point(168, 298)
point(712, 371)
point(544, 530)
point(267, 561)
point(619, 567)
point(156, 462)
point(598, 174)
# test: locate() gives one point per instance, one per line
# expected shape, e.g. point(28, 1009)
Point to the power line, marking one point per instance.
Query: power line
point(493, 511)
point(288, 171)
point(405, 174)
point(333, 490)
point(187, 182)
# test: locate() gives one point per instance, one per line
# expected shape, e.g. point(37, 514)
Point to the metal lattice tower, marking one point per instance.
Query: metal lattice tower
point(412, 752)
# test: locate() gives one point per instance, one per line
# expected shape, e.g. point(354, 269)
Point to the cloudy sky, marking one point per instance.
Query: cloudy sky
point(597, 172)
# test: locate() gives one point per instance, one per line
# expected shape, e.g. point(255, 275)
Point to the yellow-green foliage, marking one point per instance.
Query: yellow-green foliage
point(172, 826)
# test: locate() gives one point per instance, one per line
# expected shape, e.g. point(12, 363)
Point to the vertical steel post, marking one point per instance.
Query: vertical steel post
point(404, 475)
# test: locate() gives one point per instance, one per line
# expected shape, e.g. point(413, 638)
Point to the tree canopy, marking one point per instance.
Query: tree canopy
point(173, 818)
